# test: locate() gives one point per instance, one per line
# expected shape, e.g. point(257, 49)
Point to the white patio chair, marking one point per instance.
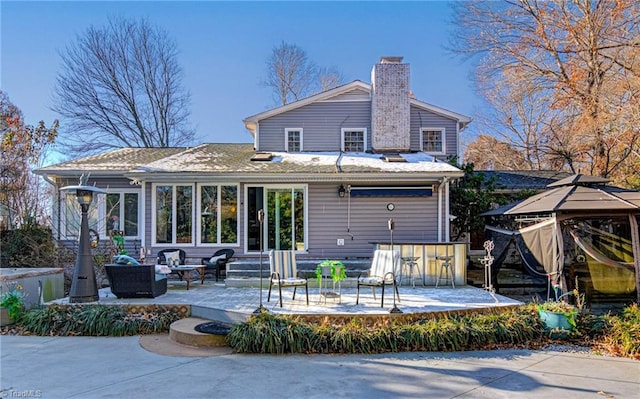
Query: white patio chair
point(284, 272)
point(381, 273)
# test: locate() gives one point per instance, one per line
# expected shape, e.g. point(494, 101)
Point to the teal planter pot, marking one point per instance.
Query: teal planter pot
point(557, 324)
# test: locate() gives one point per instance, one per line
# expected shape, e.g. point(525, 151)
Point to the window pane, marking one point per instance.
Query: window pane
point(229, 214)
point(164, 206)
point(184, 201)
point(112, 212)
point(432, 140)
point(354, 141)
point(293, 141)
point(278, 214)
point(209, 214)
point(72, 215)
point(298, 204)
point(131, 214)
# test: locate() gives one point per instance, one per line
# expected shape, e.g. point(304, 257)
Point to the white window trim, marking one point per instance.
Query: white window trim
point(218, 199)
point(173, 242)
point(288, 186)
point(286, 137)
point(444, 139)
point(353, 129)
point(140, 210)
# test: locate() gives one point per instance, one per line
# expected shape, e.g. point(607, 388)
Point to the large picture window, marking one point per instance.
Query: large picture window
point(121, 213)
point(107, 212)
point(173, 214)
point(73, 215)
point(218, 214)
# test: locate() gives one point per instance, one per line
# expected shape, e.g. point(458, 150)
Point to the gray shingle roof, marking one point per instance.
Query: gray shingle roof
point(230, 158)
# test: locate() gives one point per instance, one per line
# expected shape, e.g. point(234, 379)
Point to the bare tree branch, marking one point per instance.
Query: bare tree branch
point(120, 86)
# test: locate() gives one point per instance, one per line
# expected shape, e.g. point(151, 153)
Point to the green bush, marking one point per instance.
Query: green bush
point(31, 246)
point(623, 335)
point(267, 333)
point(95, 320)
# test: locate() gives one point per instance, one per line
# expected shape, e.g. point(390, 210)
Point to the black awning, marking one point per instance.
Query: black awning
point(391, 191)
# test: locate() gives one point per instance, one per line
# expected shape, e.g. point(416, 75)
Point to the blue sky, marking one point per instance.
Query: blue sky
point(224, 45)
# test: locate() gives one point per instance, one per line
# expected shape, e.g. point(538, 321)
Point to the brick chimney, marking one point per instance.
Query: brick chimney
point(390, 116)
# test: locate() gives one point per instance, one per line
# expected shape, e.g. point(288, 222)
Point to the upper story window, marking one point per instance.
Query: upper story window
point(293, 140)
point(354, 140)
point(433, 140)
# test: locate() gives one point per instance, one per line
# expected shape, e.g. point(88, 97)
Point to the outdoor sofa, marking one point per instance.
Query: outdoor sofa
point(136, 281)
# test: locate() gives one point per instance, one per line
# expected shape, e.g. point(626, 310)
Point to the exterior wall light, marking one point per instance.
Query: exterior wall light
point(342, 191)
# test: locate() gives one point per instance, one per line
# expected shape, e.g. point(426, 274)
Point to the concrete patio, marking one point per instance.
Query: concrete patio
point(215, 301)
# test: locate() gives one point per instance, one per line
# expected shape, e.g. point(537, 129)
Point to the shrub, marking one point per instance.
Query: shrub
point(623, 336)
point(96, 320)
point(267, 333)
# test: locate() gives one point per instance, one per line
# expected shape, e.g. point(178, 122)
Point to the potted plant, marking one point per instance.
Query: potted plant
point(558, 317)
point(11, 305)
point(335, 269)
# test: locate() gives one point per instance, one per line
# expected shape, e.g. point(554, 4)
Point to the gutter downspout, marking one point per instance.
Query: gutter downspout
point(635, 244)
point(447, 223)
point(440, 210)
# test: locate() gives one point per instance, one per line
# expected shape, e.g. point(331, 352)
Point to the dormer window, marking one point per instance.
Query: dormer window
point(293, 140)
point(433, 140)
point(354, 140)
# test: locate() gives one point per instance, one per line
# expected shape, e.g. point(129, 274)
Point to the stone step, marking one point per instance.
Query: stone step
point(250, 268)
point(183, 332)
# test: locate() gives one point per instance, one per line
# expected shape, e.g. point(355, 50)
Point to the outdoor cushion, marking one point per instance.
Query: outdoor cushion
point(172, 257)
point(162, 269)
point(214, 259)
point(125, 260)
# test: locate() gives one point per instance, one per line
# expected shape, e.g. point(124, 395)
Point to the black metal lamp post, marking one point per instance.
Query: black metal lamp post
point(395, 308)
point(83, 285)
point(260, 309)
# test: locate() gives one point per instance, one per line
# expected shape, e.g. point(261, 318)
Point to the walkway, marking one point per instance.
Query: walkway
point(91, 367)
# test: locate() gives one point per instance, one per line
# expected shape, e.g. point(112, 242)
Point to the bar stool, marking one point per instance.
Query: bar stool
point(446, 269)
point(409, 263)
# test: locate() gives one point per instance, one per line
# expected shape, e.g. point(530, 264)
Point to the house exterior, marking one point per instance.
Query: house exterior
point(329, 171)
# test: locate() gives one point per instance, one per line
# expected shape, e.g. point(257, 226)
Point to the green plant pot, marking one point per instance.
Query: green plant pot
point(556, 323)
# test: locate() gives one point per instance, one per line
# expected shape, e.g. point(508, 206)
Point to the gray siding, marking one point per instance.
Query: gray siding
point(415, 220)
point(421, 118)
point(321, 123)
point(353, 95)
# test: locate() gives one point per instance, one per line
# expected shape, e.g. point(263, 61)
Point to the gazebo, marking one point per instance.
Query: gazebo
point(578, 228)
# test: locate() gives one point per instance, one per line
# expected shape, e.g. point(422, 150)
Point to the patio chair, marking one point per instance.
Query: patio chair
point(166, 253)
point(381, 274)
point(218, 262)
point(284, 272)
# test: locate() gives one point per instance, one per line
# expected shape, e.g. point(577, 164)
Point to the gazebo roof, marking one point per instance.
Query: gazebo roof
point(577, 193)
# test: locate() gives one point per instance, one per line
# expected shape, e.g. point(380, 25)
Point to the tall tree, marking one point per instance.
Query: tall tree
point(574, 67)
point(120, 86)
point(23, 147)
point(292, 75)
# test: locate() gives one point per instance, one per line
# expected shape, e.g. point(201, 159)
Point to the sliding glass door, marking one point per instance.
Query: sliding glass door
point(283, 225)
